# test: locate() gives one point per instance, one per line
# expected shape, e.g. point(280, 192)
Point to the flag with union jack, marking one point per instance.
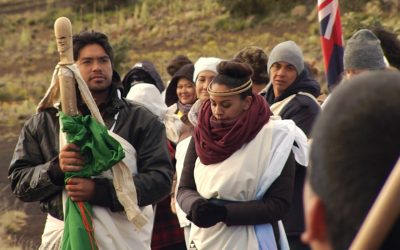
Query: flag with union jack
point(331, 39)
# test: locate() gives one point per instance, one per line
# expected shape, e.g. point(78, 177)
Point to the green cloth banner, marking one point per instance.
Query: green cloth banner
point(101, 152)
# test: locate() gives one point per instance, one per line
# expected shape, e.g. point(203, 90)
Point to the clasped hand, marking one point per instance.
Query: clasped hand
point(78, 189)
point(206, 214)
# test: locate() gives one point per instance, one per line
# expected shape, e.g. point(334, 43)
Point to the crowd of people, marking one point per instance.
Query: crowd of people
point(225, 149)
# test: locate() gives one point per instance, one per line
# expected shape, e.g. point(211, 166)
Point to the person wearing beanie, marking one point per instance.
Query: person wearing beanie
point(203, 72)
point(350, 161)
point(363, 52)
point(176, 63)
point(205, 69)
point(258, 60)
point(292, 95)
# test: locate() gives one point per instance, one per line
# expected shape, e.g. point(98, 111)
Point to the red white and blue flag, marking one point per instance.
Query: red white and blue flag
point(331, 39)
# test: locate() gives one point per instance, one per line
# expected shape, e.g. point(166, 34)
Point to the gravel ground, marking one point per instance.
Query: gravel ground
point(29, 237)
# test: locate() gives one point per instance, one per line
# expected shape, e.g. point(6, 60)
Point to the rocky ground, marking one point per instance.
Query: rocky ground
point(29, 236)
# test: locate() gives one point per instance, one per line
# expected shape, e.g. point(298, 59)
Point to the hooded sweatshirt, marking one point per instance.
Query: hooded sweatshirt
point(152, 76)
point(303, 110)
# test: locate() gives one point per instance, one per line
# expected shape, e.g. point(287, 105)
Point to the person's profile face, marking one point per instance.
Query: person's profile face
point(203, 79)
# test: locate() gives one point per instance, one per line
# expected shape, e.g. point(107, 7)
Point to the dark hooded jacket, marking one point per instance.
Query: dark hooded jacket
point(35, 173)
point(302, 110)
point(144, 72)
point(185, 72)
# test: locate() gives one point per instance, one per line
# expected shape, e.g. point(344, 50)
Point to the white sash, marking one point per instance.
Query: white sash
point(130, 229)
point(277, 107)
point(180, 153)
point(173, 124)
point(112, 230)
point(245, 176)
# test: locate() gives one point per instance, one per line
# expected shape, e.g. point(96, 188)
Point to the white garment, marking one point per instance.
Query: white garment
point(327, 99)
point(205, 64)
point(52, 234)
point(112, 230)
point(194, 112)
point(277, 107)
point(149, 96)
point(180, 154)
point(173, 124)
point(130, 229)
point(245, 176)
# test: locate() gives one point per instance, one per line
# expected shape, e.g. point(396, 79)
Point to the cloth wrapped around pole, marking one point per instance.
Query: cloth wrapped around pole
point(100, 152)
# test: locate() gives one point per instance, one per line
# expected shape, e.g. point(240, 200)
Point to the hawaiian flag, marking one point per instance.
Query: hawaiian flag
point(331, 39)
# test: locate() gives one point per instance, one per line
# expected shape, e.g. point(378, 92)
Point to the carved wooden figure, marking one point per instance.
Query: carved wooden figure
point(63, 33)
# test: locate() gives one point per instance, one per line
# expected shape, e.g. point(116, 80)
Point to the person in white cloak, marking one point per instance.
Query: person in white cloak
point(40, 159)
point(238, 175)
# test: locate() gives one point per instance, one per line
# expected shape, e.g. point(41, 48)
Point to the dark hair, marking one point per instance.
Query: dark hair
point(258, 60)
point(176, 63)
point(233, 74)
point(84, 38)
point(355, 146)
point(390, 45)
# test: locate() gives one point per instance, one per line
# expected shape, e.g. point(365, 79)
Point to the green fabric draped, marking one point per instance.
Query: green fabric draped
point(101, 152)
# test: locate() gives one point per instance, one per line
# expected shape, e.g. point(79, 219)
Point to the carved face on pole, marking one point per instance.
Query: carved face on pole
point(63, 43)
point(63, 33)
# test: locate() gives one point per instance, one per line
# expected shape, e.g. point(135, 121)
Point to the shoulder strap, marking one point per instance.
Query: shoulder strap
point(277, 107)
point(309, 95)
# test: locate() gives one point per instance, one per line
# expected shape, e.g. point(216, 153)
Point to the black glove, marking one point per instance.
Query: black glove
point(205, 214)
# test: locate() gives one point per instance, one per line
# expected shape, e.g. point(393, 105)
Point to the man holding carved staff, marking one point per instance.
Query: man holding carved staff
point(40, 161)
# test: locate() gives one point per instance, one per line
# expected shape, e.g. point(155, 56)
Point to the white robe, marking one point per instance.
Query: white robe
point(180, 153)
point(246, 175)
point(130, 229)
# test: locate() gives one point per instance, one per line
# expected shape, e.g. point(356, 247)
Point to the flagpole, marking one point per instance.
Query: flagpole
point(382, 216)
point(63, 34)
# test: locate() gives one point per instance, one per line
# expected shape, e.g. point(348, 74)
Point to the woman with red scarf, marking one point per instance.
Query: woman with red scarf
point(238, 175)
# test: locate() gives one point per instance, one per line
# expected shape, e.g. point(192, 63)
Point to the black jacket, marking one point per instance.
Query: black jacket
point(303, 111)
point(35, 173)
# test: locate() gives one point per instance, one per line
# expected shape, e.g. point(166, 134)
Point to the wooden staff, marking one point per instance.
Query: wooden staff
point(63, 33)
point(382, 216)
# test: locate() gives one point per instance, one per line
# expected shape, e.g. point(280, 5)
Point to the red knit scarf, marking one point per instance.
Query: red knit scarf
point(215, 141)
